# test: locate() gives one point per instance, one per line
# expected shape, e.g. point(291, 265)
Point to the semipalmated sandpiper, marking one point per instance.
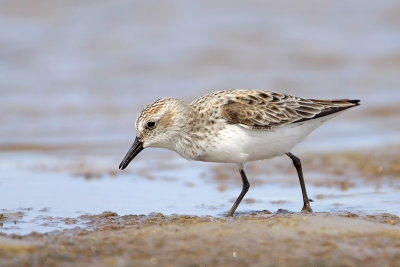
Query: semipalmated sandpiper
point(234, 126)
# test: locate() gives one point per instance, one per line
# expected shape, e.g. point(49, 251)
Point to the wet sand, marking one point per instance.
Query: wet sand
point(257, 239)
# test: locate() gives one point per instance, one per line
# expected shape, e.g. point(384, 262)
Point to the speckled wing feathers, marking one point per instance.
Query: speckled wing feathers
point(265, 109)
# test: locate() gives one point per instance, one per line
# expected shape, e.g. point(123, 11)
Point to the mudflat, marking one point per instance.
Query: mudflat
point(257, 239)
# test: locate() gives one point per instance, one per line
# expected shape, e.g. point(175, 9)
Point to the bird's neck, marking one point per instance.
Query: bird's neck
point(190, 141)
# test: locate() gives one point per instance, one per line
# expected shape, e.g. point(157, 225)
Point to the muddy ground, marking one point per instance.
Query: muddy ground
point(257, 239)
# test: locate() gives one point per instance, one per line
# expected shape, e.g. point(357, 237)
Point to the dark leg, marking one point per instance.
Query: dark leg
point(297, 164)
point(246, 186)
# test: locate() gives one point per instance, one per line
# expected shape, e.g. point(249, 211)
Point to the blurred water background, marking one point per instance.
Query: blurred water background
point(74, 74)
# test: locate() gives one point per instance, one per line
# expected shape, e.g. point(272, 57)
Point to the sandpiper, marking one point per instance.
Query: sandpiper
point(234, 126)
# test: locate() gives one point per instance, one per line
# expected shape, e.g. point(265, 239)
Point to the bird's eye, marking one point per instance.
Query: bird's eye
point(150, 124)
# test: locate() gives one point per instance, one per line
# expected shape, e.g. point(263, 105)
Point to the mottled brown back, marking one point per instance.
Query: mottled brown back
point(266, 109)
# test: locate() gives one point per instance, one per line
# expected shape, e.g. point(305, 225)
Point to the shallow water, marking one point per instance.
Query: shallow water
point(40, 200)
point(73, 78)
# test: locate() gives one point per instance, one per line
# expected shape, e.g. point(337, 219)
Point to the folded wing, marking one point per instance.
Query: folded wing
point(265, 109)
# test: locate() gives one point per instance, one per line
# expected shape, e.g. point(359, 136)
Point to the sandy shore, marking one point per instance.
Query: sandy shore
point(257, 239)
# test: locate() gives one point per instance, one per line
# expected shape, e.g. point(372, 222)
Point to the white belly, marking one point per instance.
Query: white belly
point(237, 144)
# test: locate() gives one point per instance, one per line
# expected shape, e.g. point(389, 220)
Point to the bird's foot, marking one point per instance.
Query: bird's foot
point(229, 214)
point(307, 208)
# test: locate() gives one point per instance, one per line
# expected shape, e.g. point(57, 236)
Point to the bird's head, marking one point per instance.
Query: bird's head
point(158, 125)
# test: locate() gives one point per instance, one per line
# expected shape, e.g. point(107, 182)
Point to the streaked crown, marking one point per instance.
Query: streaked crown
point(158, 123)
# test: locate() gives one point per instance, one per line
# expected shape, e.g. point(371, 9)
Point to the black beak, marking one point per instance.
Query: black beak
point(133, 151)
